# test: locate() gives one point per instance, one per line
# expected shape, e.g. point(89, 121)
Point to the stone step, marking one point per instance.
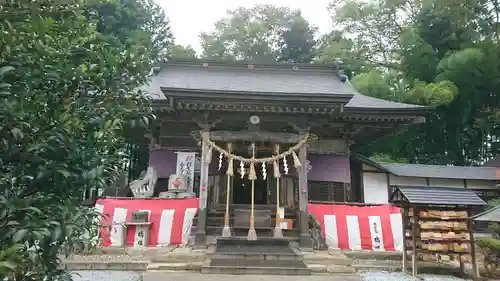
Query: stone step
point(378, 262)
point(222, 207)
point(255, 252)
point(220, 220)
point(246, 256)
point(178, 255)
point(105, 265)
point(256, 267)
point(376, 267)
point(217, 230)
point(177, 258)
point(331, 269)
point(331, 260)
point(176, 266)
point(373, 255)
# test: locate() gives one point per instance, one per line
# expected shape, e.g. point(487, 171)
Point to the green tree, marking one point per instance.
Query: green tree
point(69, 79)
point(261, 33)
point(429, 53)
point(296, 42)
point(182, 52)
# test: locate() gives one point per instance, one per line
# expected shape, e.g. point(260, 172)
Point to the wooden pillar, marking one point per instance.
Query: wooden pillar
point(305, 240)
point(201, 234)
point(404, 218)
point(414, 234)
point(475, 269)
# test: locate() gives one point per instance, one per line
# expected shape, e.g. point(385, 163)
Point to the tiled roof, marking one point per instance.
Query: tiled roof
point(439, 196)
point(362, 101)
point(270, 78)
point(242, 79)
point(432, 171)
point(441, 171)
point(490, 215)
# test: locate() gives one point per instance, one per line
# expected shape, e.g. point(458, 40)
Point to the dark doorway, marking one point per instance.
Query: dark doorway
point(242, 188)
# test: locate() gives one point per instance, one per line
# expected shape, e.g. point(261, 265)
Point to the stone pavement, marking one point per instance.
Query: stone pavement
point(162, 276)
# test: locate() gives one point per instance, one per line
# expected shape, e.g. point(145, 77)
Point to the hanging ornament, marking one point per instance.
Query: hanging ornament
point(264, 170)
point(221, 156)
point(242, 169)
point(285, 165)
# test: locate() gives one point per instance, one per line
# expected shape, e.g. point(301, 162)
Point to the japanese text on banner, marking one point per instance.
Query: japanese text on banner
point(185, 166)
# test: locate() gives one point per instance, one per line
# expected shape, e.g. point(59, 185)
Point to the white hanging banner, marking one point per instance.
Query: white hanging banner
point(185, 166)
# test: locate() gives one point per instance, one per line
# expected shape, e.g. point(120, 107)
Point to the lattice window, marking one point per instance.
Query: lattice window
point(330, 192)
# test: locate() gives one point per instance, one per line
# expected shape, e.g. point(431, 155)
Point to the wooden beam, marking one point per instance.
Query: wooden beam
point(305, 241)
point(270, 117)
point(229, 136)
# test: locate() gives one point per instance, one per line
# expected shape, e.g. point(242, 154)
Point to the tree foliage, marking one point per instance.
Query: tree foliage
point(443, 54)
point(440, 53)
point(69, 78)
point(261, 33)
point(182, 52)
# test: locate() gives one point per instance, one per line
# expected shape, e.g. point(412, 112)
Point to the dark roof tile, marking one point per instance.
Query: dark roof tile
point(438, 196)
point(269, 78)
point(441, 171)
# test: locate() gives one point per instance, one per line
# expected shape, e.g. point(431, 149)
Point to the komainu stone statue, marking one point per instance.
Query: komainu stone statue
point(144, 186)
point(317, 236)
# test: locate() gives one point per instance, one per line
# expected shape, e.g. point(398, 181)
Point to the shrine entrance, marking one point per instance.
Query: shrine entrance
point(242, 187)
point(254, 159)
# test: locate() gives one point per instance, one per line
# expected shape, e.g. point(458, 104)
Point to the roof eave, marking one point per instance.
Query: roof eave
point(478, 216)
point(176, 92)
point(385, 169)
point(417, 111)
point(264, 64)
point(369, 162)
point(450, 178)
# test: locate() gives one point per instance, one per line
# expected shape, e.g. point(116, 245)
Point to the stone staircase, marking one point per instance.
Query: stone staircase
point(265, 256)
point(215, 221)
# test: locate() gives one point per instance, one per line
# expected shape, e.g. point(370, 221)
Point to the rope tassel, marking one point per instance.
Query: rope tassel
point(296, 161)
point(229, 170)
point(208, 157)
point(251, 174)
point(276, 169)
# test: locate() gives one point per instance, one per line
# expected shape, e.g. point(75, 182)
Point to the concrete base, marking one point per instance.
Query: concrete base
point(252, 235)
point(200, 240)
point(277, 233)
point(187, 276)
point(305, 243)
point(106, 265)
point(256, 271)
point(226, 231)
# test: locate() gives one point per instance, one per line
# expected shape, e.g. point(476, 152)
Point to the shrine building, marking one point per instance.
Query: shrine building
point(268, 138)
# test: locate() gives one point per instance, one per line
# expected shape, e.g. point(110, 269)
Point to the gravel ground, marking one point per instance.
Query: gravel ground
point(103, 275)
point(398, 276)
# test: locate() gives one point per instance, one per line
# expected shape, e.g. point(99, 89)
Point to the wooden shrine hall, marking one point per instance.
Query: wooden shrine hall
point(256, 128)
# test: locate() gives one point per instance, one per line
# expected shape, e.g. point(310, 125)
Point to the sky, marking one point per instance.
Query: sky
point(190, 17)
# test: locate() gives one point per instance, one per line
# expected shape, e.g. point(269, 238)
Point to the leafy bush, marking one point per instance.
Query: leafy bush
point(488, 243)
point(69, 100)
point(490, 247)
